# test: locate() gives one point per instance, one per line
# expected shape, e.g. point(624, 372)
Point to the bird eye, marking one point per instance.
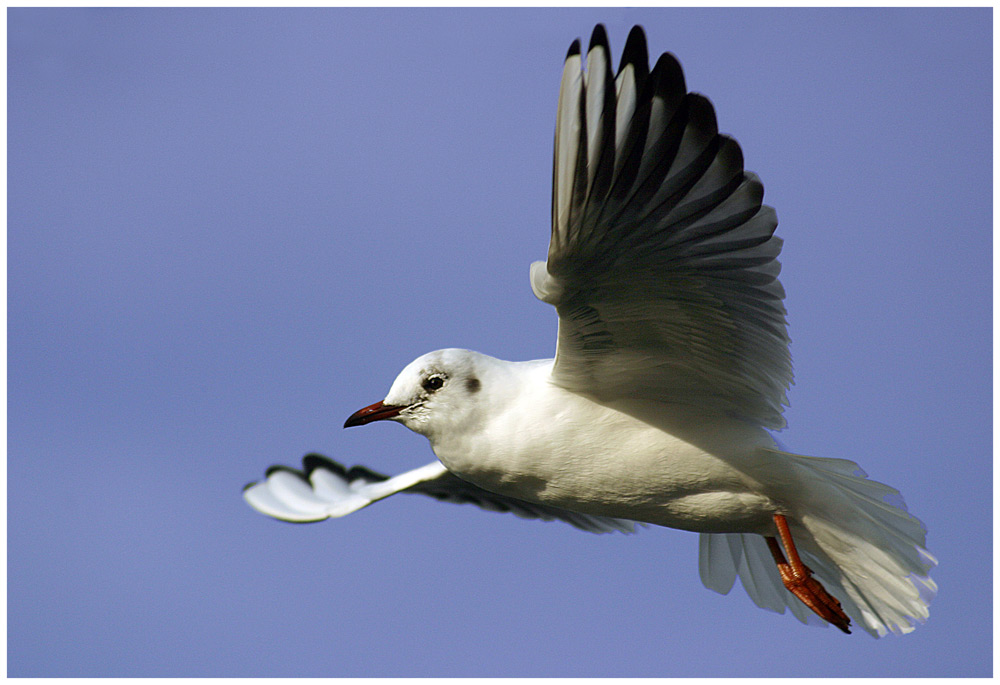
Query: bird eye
point(432, 383)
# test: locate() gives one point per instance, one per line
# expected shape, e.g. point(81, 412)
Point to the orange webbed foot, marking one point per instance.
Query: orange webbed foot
point(797, 577)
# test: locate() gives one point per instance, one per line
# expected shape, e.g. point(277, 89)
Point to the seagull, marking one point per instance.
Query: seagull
point(671, 369)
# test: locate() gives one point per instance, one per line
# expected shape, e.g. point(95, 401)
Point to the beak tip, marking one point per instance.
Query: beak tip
point(354, 420)
point(374, 412)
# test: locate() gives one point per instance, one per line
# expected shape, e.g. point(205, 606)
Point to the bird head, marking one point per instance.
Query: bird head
point(436, 392)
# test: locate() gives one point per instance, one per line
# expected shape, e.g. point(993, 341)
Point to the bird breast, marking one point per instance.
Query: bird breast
point(562, 449)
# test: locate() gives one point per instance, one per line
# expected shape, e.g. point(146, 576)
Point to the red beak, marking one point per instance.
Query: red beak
point(374, 412)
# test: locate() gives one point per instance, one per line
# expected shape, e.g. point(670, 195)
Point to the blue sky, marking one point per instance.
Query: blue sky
point(228, 230)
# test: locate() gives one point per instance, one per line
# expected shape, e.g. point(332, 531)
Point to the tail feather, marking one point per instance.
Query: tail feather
point(724, 556)
point(758, 577)
point(718, 559)
point(856, 536)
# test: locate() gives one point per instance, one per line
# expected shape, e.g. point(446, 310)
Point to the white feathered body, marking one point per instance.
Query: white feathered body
point(674, 466)
point(555, 450)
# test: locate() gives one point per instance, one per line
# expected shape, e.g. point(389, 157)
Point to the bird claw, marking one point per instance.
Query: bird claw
point(797, 578)
point(812, 593)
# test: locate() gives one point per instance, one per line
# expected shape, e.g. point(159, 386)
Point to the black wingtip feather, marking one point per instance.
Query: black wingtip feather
point(599, 37)
point(701, 111)
point(636, 53)
point(574, 49)
point(669, 76)
point(313, 461)
point(278, 467)
point(365, 473)
point(733, 153)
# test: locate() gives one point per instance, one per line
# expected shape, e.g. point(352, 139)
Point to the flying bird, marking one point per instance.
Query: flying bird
point(671, 368)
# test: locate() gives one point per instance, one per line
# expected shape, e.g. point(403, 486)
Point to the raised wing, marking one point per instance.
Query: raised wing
point(326, 489)
point(662, 261)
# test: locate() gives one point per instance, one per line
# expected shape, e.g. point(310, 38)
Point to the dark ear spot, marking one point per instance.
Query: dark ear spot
point(473, 385)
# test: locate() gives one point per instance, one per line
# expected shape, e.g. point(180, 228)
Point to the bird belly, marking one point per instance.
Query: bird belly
point(645, 473)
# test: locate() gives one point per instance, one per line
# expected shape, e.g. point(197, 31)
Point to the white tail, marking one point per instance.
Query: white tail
point(856, 536)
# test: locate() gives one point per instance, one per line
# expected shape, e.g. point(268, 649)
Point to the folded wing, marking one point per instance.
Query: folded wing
point(662, 260)
point(325, 489)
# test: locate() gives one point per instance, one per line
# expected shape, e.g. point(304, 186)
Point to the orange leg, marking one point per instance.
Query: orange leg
point(797, 577)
